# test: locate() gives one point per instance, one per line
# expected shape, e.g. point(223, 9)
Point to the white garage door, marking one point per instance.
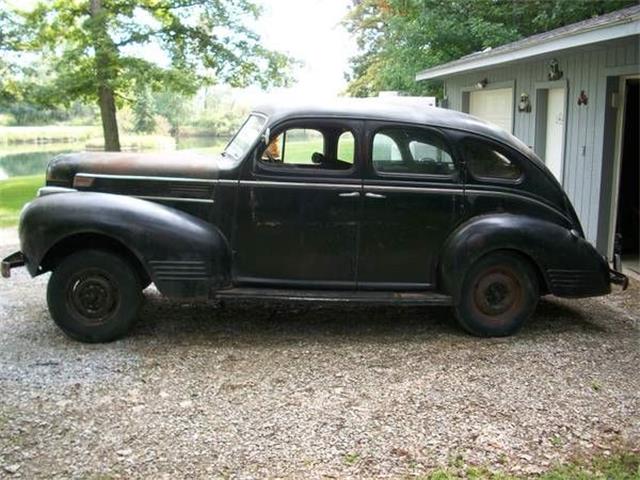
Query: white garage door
point(495, 106)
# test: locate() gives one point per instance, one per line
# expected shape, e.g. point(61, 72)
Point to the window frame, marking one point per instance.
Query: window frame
point(309, 123)
point(503, 149)
point(453, 176)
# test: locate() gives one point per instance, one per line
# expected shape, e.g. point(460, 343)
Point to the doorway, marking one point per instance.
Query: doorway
point(551, 111)
point(555, 131)
point(627, 226)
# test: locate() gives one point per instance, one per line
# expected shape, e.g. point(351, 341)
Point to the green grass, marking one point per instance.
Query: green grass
point(625, 466)
point(621, 466)
point(14, 193)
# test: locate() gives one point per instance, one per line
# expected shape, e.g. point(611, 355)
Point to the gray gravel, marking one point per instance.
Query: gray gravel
point(274, 390)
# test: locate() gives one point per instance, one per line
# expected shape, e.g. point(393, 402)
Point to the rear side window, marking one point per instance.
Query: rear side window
point(411, 151)
point(484, 161)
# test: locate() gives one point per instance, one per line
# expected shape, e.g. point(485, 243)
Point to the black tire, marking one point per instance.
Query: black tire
point(94, 296)
point(498, 295)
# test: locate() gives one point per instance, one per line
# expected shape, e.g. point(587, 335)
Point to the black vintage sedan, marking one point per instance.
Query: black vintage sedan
point(353, 201)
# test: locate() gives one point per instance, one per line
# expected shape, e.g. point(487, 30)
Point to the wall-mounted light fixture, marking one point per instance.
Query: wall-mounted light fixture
point(582, 98)
point(524, 105)
point(554, 70)
point(482, 83)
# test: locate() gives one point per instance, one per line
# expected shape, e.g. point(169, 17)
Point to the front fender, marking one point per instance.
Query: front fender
point(568, 264)
point(183, 255)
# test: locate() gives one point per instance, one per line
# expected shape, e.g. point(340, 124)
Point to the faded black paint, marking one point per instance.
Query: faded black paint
point(226, 224)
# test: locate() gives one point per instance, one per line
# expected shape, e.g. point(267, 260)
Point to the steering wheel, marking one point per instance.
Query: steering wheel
point(317, 158)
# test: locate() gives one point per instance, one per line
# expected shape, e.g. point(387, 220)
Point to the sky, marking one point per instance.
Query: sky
point(310, 31)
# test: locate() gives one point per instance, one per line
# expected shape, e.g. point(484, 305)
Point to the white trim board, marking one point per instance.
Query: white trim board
point(548, 46)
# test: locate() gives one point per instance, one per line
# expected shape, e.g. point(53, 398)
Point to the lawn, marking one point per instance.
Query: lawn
point(14, 193)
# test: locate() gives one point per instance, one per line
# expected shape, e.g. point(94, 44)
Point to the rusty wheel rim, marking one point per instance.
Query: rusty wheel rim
point(92, 296)
point(497, 293)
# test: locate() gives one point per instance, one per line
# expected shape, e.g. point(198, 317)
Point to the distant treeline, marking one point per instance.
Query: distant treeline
point(211, 112)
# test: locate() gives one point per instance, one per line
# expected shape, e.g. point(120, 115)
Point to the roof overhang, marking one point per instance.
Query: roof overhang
point(628, 27)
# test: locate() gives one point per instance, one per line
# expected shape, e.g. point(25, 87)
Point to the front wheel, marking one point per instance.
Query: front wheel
point(94, 296)
point(498, 295)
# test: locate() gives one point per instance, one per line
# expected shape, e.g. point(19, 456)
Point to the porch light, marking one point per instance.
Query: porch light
point(524, 105)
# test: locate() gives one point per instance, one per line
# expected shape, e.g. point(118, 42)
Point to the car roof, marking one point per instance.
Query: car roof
point(395, 109)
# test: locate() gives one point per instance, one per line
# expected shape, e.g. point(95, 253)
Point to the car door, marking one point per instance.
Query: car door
point(412, 194)
point(298, 207)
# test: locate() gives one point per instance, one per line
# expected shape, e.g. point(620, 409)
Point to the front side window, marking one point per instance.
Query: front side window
point(411, 151)
point(346, 147)
point(245, 137)
point(311, 149)
point(485, 161)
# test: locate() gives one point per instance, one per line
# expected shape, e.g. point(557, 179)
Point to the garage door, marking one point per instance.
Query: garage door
point(495, 106)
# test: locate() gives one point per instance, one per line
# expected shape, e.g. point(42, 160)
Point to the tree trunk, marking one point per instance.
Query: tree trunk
point(109, 121)
point(105, 74)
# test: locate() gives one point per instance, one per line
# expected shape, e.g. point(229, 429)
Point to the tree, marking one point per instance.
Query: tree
point(398, 38)
point(175, 108)
point(95, 49)
point(143, 112)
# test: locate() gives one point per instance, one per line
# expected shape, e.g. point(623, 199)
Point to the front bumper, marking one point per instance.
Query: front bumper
point(15, 260)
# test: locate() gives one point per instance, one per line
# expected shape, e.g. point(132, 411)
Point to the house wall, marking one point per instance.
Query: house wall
point(588, 153)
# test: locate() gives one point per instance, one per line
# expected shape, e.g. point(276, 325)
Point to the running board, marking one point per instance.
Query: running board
point(335, 296)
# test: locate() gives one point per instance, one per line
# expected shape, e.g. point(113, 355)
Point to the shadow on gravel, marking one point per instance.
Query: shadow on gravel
point(275, 322)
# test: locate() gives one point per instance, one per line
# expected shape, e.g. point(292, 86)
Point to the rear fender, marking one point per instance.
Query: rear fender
point(568, 264)
point(183, 255)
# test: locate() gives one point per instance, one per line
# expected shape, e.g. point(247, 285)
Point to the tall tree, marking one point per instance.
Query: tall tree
point(96, 49)
point(143, 112)
point(398, 38)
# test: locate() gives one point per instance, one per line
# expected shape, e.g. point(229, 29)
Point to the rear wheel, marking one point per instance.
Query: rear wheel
point(498, 295)
point(94, 296)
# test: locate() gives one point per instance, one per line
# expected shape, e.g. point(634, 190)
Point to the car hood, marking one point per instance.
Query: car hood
point(63, 168)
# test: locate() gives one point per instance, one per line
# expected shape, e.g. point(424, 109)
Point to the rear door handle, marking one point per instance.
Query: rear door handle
point(374, 195)
point(349, 194)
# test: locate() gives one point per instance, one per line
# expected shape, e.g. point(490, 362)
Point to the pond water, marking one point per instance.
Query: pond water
point(20, 160)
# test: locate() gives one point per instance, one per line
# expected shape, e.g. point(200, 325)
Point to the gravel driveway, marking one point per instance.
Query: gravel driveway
point(275, 390)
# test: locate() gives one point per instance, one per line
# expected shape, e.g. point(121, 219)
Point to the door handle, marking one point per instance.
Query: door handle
point(374, 195)
point(349, 194)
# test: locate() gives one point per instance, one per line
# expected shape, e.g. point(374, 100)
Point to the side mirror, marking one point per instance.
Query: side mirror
point(266, 136)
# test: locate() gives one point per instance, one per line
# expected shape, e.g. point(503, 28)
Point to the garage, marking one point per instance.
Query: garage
point(495, 106)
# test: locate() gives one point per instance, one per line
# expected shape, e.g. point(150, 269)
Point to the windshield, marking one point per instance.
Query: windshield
point(247, 135)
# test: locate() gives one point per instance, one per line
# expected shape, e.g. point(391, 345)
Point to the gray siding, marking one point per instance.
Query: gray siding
point(584, 69)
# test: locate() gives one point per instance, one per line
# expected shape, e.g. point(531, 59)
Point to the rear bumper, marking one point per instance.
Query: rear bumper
point(15, 260)
point(618, 278)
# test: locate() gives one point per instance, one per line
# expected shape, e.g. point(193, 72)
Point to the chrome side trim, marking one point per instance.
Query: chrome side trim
point(51, 190)
point(322, 186)
point(144, 177)
point(386, 188)
point(174, 199)
point(350, 186)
